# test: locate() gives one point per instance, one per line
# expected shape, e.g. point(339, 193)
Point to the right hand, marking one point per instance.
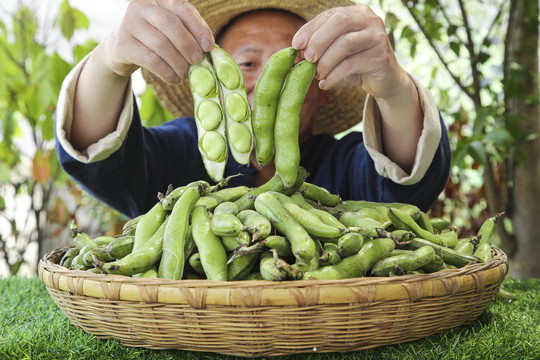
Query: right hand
point(163, 36)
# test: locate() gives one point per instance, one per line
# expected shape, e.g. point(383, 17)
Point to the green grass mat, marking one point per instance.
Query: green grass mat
point(33, 327)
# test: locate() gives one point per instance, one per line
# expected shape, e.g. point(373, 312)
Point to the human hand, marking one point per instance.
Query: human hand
point(351, 43)
point(163, 36)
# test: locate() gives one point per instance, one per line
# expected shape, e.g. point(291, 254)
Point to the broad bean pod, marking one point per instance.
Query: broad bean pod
point(287, 125)
point(172, 261)
point(235, 103)
point(211, 250)
point(266, 99)
point(303, 246)
point(209, 118)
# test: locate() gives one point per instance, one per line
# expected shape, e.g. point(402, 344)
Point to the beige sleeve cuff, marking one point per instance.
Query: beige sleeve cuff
point(107, 145)
point(427, 145)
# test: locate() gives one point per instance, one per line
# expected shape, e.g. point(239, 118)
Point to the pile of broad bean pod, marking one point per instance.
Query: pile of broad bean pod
point(275, 233)
point(285, 229)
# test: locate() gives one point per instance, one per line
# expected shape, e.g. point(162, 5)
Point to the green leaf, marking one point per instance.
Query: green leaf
point(452, 29)
point(82, 50)
point(459, 152)
point(500, 136)
point(47, 126)
point(5, 171)
point(3, 28)
point(59, 68)
point(480, 122)
point(9, 154)
point(24, 31)
point(483, 57)
point(8, 126)
point(152, 112)
point(16, 267)
point(71, 19)
point(477, 151)
point(456, 47)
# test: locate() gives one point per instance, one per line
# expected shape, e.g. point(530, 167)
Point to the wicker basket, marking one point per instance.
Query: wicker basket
point(263, 318)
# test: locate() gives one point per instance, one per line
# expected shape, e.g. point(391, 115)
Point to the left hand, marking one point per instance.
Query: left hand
point(351, 43)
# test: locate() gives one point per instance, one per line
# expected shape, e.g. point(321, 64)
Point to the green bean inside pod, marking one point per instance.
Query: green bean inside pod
point(208, 118)
point(210, 114)
point(235, 104)
point(214, 146)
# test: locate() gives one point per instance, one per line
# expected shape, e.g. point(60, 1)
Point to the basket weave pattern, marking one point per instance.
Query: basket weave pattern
point(264, 318)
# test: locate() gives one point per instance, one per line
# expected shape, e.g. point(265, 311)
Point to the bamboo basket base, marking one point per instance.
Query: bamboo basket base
point(257, 318)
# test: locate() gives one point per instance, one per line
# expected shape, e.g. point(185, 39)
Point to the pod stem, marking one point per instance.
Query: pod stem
point(285, 266)
point(245, 250)
point(98, 264)
point(73, 228)
point(223, 183)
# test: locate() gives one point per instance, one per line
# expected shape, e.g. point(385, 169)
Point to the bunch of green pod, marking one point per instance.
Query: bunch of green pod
point(275, 233)
point(208, 111)
point(235, 103)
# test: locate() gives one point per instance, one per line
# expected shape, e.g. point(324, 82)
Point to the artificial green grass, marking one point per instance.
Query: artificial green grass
point(33, 327)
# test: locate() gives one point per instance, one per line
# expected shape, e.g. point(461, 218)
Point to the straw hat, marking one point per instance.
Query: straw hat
point(344, 107)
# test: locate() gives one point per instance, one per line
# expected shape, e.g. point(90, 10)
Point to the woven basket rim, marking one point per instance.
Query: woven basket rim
point(199, 293)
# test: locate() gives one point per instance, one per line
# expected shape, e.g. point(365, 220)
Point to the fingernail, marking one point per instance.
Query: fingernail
point(309, 55)
point(206, 43)
point(196, 57)
point(322, 85)
point(299, 41)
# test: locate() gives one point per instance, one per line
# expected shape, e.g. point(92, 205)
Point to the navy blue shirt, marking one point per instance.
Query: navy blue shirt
point(152, 158)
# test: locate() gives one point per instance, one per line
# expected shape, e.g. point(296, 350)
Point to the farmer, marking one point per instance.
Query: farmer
point(403, 153)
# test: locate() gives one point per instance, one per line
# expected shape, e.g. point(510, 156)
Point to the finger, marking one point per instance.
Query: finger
point(351, 68)
point(335, 27)
point(149, 37)
point(344, 47)
point(304, 34)
point(169, 29)
point(194, 23)
point(150, 60)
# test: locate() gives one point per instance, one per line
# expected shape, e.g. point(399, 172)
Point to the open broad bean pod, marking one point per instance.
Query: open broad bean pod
point(235, 103)
point(209, 118)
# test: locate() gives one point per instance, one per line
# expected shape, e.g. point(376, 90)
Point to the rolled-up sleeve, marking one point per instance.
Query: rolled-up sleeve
point(105, 146)
point(427, 144)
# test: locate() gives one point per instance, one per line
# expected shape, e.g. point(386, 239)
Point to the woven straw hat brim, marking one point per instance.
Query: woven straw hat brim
point(346, 101)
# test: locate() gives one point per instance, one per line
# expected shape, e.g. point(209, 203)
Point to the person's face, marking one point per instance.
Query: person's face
point(252, 39)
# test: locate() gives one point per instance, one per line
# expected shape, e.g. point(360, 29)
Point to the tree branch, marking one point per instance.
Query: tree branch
point(473, 56)
point(437, 52)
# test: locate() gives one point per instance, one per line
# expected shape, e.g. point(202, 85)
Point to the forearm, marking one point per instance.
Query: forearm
point(401, 124)
point(98, 101)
